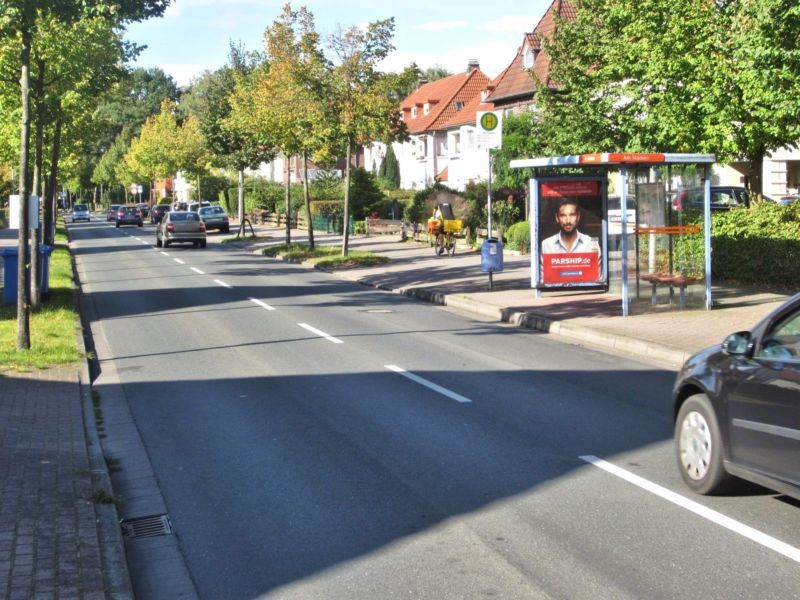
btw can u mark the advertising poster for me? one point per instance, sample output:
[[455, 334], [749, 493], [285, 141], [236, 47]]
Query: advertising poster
[[571, 215]]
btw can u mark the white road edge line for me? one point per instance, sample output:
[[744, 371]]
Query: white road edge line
[[428, 384], [321, 334], [261, 304], [692, 506], [179, 261], [223, 284], [198, 271]]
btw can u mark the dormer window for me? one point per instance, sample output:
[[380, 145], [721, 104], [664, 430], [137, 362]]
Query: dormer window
[[529, 57], [413, 112], [426, 109], [458, 105]]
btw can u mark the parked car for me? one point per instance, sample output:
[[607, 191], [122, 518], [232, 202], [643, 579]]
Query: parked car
[[157, 213], [80, 212], [111, 213], [181, 227], [129, 215], [215, 217], [788, 199], [722, 198], [737, 408]]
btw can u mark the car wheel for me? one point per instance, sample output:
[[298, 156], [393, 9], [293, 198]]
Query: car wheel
[[698, 445], [227, 229], [203, 244], [166, 243], [158, 242], [117, 225]]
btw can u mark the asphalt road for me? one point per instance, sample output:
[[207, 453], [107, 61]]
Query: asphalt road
[[313, 438]]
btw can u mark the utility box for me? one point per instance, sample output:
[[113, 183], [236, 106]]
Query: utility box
[[492, 256]]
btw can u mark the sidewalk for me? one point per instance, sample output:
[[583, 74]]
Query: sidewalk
[[56, 542]]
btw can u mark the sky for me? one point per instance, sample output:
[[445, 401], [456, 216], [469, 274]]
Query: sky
[[194, 35]]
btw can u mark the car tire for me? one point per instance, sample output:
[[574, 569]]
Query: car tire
[[699, 447], [226, 230], [203, 244], [140, 223], [158, 242], [117, 225]]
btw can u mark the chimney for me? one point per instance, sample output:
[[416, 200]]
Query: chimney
[[473, 65]]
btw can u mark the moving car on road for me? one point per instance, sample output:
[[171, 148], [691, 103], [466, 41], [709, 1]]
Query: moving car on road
[[181, 227], [157, 213], [215, 217], [80, 212], [129, 215], [737, 408]]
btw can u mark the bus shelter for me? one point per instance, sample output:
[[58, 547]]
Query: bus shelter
[[637, 221]]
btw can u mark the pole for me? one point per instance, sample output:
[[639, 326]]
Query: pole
[[489, 195]]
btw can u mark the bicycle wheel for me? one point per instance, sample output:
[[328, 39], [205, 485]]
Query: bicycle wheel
[[451, 244], [440, 244]]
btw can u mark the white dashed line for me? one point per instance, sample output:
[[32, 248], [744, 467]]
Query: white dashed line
[[321, 334], [744, 530], [428, 384], [164, 253], [198, 271], [261, 304], [223, 284], [179, 261]]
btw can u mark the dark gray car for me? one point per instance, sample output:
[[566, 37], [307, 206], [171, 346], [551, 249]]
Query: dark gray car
[[737, 408], [215, 217]]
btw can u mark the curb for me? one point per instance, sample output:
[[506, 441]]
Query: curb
[[116, 575]]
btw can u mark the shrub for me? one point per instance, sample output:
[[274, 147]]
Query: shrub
[[518, 237]]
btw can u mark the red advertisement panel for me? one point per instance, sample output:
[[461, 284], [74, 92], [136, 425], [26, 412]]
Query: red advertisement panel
[[557, 189], [571, 267]]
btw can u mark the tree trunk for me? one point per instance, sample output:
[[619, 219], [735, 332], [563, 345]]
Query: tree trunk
[[51, 193], [307, 200], [287, 182], [240, 202], [23, 292], [36, 263], [754, 181], [345, 228]]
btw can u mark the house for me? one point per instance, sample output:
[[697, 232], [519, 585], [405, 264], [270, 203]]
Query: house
[[440, 116]]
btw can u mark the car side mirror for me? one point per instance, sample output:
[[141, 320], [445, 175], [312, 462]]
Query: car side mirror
[[737, 344]]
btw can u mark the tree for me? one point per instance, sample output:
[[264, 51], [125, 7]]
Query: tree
[[359, 95], [389, 171], [19, 20], [674, 76], [155, 154]]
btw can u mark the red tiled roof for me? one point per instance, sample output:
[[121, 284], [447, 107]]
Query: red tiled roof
[[441, 97], [516, 80], [443, 175]]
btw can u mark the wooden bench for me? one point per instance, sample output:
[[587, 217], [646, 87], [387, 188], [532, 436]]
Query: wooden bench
[[665, 279]]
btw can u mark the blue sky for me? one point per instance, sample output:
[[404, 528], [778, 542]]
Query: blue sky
[[194, 35]]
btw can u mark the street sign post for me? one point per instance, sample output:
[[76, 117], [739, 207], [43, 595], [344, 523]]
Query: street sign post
[[489, 125]]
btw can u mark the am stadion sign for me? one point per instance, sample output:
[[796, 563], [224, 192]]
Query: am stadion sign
[[490, 129]]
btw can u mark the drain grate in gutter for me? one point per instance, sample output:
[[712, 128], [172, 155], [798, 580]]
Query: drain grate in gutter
[[140, 527]]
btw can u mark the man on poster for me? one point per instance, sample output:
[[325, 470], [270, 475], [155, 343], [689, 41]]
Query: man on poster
[[585, 266]]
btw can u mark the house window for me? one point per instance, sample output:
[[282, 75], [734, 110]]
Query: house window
[[455, 143], [458, 105], [413, 112], [426, 109], [529, 58]]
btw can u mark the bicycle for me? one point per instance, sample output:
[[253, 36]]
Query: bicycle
[[445, 242]]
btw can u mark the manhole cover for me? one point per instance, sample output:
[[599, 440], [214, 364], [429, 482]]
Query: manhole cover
[[146, 526]]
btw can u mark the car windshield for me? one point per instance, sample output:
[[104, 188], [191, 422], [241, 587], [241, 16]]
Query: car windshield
[[212, 210], [183, 216]]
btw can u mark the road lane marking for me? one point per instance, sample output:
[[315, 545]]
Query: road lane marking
[[223, 284], [428, 384], [198, 271], [164, 253], [715, 517], [179, 261], [261, 304], [321, 334]]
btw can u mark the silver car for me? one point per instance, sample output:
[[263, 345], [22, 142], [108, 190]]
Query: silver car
[[80, 212], [179, 227]]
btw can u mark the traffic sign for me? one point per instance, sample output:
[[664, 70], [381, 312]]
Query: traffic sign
[[490, 129]]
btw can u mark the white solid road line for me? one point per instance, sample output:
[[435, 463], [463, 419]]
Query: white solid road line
[[261, 304], [428, 384], [690, 505], [321, 334], [198, 271], [223, 284], [179, 261]]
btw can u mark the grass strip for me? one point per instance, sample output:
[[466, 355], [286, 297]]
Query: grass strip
[[326, 257]]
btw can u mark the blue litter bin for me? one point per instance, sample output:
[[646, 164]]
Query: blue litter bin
[[492, 256], [10, 275], [10, 258]]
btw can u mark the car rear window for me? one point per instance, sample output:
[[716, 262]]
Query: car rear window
[[212, 210], [184, 216], [80, 207]]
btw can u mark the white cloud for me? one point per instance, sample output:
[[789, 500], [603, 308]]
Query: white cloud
[[441, 25], [511, 24], [183, 73]]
